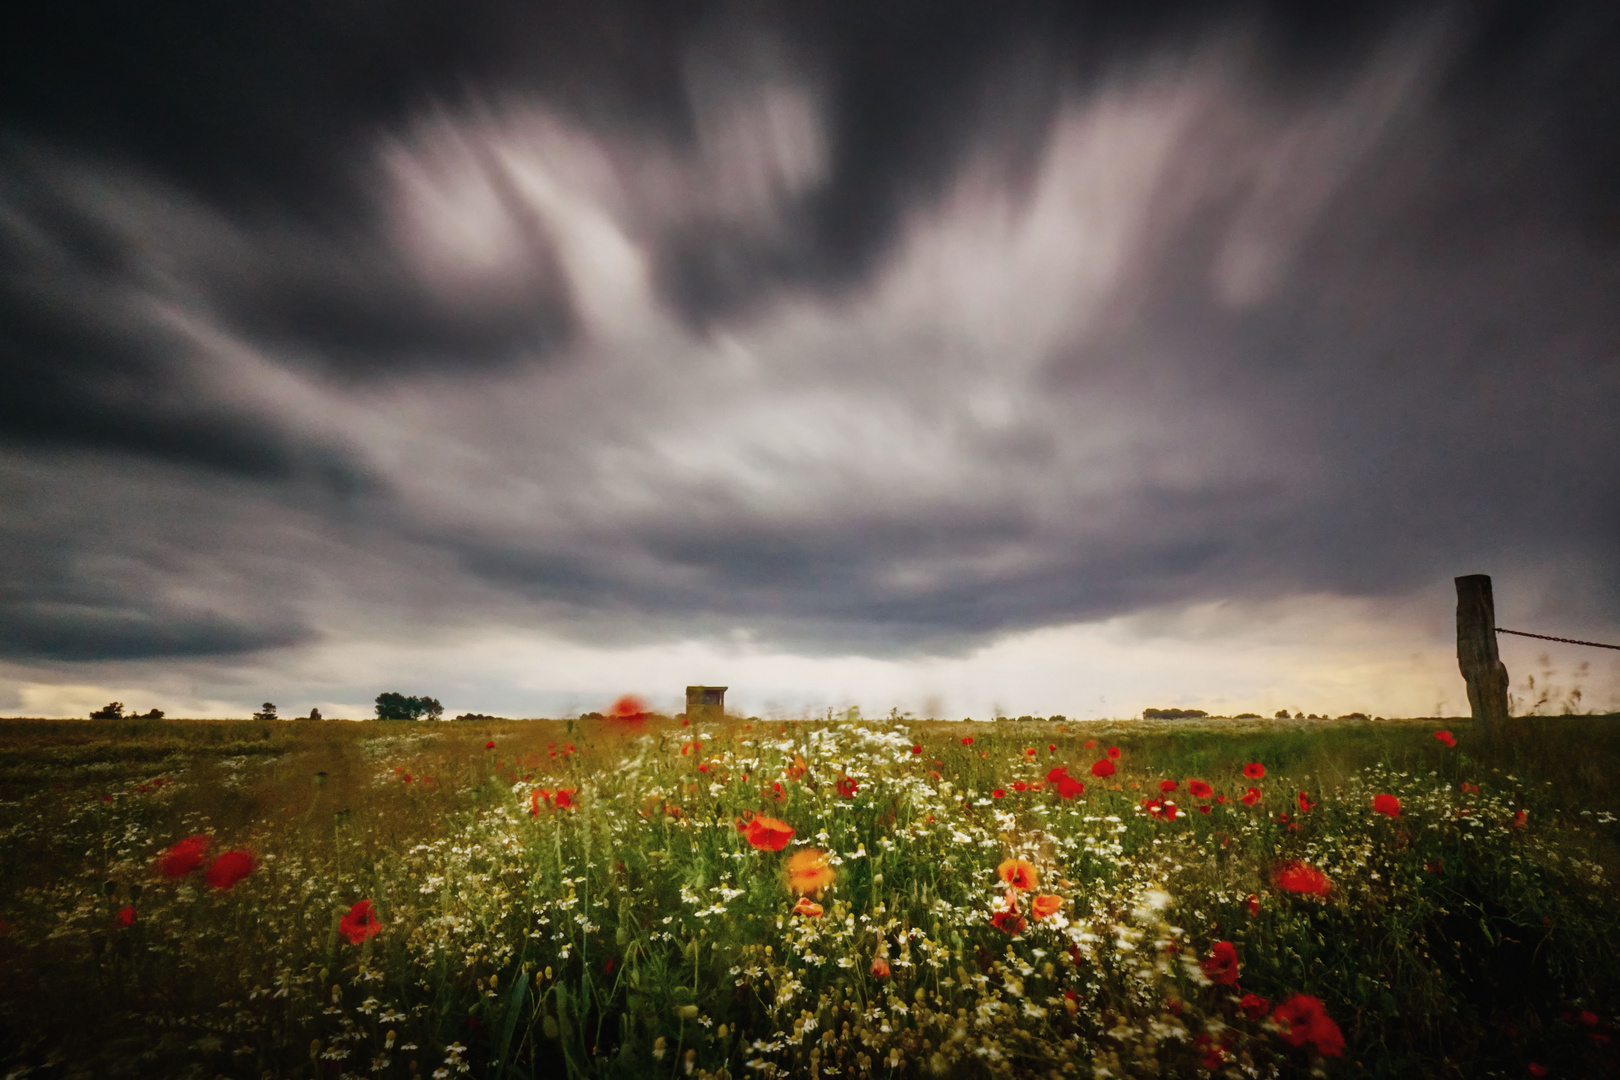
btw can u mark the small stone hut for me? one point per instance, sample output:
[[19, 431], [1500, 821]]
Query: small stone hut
[[705, 702]]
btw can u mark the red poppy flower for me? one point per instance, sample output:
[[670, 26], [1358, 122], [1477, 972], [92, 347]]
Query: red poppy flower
[[565, 798], [1029, 751], [916, 749], [629, 710], [127, 916], [1387, 805], [490, 745], [1045, 905], [360, 923], [999, 793], [1167, 786], [1203, 809], [1254, 771], [1518, 819], [1222, 965], [880, 968], [1305, 803], [183, 857], [534, 800], [967, 740], [1254, 1006], [768, 834], [1051, 748], [1008, 921], [406, 778], [847, 787], [1251, 796], [1067, 786], [1253, 904], [1536, 1068], [230, 868], [1299, 877], [1305, 1020], [1113, 751], [1446, 737], [1199, 789], [1220, 798], [1019, 785], [1102, 767]]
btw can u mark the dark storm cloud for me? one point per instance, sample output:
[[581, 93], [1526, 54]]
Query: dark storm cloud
[[89, 359], [1317, 299], [117, 563]]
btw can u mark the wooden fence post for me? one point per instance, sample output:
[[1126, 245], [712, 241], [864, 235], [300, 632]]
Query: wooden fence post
[[1484, 672]]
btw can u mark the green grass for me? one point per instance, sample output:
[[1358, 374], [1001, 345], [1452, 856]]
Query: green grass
[[637, 932]]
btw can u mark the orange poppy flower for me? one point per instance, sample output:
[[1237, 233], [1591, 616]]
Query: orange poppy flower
[[806, 906], [880, 968], [768, 834], [1044, 905], [808, 872], [1018, 873]]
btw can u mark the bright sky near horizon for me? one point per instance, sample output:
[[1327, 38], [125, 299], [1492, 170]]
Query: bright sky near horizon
[[961, 358]]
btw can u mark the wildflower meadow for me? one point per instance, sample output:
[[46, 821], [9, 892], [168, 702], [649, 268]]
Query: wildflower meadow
[[639, 896]]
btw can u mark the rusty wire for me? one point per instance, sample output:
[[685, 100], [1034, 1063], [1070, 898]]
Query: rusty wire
[[1548, 637]]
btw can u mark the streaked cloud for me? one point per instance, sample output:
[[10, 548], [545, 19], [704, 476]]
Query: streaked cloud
[[883, 357]]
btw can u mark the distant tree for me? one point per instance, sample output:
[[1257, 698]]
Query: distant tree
[[267, 713], [113, 710], [392, 706], [152, 714], [314, 714], [1172, 714], [1282, 714]]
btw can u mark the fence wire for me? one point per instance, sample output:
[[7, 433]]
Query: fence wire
[[1549, 637]]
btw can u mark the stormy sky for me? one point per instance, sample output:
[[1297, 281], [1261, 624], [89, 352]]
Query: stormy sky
[[944, 357]]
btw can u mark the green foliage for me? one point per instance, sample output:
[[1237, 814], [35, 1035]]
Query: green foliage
[[393, 706]]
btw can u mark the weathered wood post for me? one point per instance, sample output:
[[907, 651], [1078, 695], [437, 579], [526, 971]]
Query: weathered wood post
[[1486, 675]]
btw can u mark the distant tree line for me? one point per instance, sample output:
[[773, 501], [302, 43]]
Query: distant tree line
[[114, 710]]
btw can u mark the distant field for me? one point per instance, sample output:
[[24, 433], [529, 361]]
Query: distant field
[[879, 898]]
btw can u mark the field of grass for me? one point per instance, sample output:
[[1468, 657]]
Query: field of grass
[[591, 898]]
